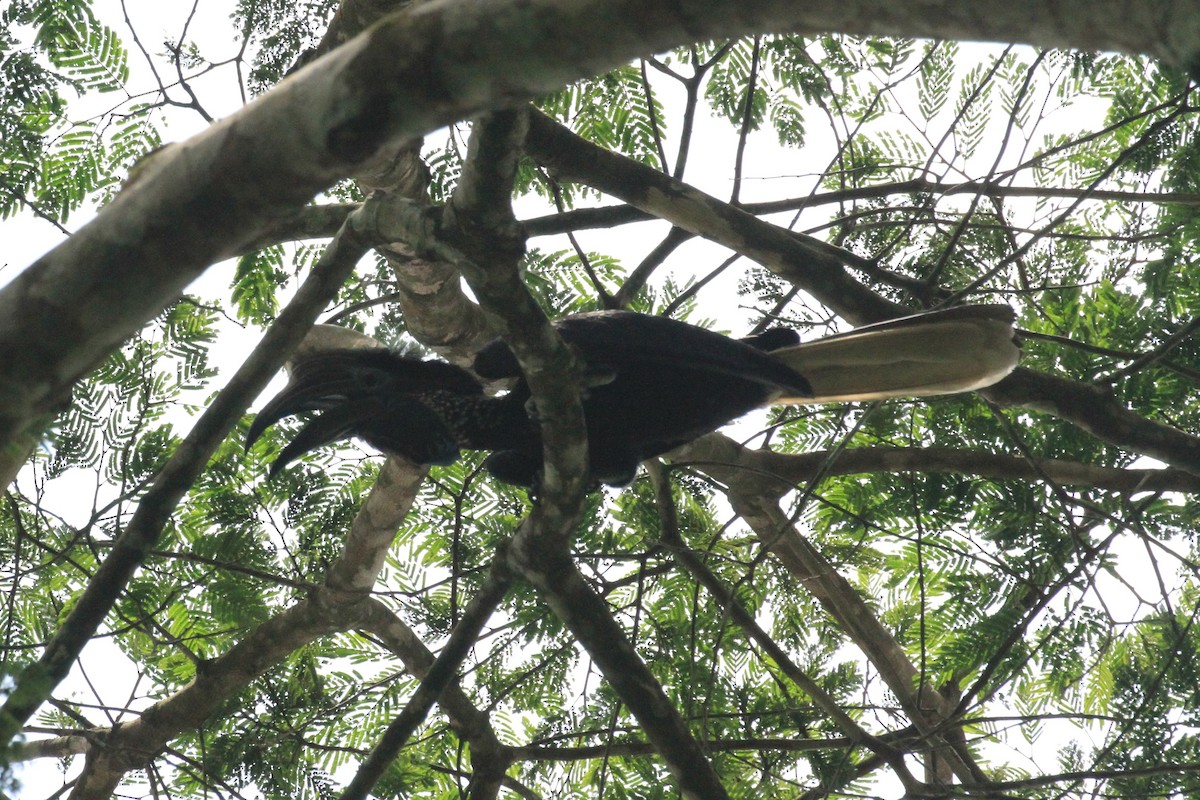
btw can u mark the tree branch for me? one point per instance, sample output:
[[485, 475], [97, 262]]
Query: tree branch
[[439, 675], [727, 600], [813, 264], [132, 744], [791, 470], [611, 216]]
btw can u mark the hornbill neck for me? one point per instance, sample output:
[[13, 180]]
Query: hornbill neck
[[479, 422]]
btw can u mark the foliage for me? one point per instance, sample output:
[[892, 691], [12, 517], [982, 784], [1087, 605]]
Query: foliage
[[1058, 615], [52, 163]]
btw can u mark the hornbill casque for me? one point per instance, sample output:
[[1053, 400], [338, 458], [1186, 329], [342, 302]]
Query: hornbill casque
[[651, 384]]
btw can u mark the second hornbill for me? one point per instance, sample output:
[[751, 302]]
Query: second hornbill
[[651, 384]]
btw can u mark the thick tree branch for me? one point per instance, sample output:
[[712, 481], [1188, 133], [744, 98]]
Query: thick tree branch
[[923, 704], [1098, 412], [753, 495], [374, 527], [131, 745], [313, 221], [479, 222], [478, 235], [54, 747], [811, 263]]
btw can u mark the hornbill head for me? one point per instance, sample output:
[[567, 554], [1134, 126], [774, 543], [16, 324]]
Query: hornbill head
[[388, 400]]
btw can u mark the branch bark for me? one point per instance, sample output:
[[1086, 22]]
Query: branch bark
[[131, 745], [612, 216], [810, 263], [339, 606]]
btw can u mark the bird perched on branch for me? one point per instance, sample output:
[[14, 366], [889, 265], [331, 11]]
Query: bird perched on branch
[[651, 384]]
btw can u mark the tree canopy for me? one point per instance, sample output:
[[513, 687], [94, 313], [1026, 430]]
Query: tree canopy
[[985, 595]]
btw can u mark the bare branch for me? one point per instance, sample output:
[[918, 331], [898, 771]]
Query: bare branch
[[791, 470]]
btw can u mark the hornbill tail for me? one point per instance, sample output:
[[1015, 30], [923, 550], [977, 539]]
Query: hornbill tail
[[940, 352]]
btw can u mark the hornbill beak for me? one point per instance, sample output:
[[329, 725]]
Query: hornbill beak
[[308, 392], [324, 385], [333, 425], [354, 399]]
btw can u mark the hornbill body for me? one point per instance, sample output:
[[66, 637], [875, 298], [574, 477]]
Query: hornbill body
[[651, 384]]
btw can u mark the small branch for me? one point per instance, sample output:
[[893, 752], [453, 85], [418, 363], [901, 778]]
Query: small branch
[[791, 470], [440, 675], [489, 758], [612, 749], [1157, 354], [590, 619], [747, 122], [653, 260], [727, 600], [612, 216]]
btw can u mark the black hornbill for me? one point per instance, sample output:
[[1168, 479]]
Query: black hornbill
[[652, 384]]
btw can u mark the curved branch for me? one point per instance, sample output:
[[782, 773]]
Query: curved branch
[[440, 675], [813, 264], [791, 470], [1098, 412], [611, 216], [130, 745]]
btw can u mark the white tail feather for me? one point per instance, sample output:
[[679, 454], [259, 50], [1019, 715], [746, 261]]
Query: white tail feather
[[943, 352]]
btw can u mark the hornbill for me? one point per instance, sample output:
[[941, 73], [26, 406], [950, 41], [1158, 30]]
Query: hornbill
[[651, 384]]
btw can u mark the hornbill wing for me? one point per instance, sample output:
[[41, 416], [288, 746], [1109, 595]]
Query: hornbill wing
[[940, 352], [610, 340]]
